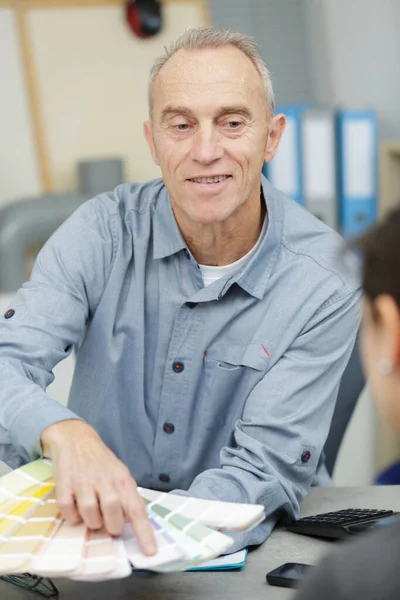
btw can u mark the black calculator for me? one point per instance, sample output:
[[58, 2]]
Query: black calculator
[[340, 524]]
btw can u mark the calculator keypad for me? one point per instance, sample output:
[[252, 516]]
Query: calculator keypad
[[347, 516], [340, 523]]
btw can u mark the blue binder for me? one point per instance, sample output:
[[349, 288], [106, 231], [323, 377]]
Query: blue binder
[[358, 172], [285, 169]]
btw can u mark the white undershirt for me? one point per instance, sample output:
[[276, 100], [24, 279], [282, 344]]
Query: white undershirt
[[211, 274]]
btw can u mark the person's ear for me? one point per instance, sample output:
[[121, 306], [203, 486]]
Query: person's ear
[[276, 128], [387, 317], [148, 134]]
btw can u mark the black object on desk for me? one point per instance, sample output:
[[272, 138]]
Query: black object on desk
[[32, 583], [340, 524], [288, 575]]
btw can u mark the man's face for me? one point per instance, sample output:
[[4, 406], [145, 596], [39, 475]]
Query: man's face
[[209, 132]]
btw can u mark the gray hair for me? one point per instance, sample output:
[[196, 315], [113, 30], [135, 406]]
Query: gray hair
[[213, 37]]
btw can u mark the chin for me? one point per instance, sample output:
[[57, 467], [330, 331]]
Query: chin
[[212, 212], [206, 218]]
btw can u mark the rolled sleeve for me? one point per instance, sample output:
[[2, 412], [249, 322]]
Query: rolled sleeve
[[281, 434]]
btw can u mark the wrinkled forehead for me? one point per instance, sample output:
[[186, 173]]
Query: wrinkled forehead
[[209, 76]]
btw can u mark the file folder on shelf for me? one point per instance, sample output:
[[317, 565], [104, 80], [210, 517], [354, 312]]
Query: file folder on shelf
[[319, 165], [357, 145], [284, 171]]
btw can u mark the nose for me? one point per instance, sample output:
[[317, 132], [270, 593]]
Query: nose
[[206, 146]]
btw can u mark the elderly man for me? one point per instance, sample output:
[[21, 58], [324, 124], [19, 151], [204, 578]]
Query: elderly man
[[212, 318]]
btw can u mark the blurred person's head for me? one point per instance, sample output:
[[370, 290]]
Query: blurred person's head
[[380, 331], [211, 123]]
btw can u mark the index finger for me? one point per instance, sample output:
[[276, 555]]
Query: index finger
[[135, 512]]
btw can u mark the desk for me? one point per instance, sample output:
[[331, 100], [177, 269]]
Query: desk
[[249, 583]]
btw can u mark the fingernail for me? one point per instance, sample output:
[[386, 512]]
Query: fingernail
[[151, 548]]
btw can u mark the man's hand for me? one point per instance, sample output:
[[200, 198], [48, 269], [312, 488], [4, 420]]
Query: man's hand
[[92, 484]]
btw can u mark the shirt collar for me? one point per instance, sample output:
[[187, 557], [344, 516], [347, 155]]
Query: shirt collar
[[167, 238], [255, 275]]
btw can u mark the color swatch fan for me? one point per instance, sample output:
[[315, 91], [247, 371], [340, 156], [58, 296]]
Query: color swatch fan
[[35, 539]]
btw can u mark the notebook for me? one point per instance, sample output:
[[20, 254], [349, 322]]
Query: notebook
[[237, 560]]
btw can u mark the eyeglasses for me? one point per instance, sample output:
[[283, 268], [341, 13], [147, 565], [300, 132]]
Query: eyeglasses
[[41, 585]]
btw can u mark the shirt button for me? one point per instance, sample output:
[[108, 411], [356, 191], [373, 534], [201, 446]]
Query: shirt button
[[186, 253], [178, 367], [164, 477], [305, 457], [10, 313], [168, 428], [191, 304]]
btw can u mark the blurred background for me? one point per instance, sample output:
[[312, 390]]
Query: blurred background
[[73, 100]]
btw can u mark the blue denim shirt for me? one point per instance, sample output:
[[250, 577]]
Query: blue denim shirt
[[226, 390]]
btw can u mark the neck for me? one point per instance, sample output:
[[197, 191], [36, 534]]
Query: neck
[[219, 244]]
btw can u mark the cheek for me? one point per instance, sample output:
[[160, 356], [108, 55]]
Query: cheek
[[250, 153], [367, 347], [384, 392], [176, 157]]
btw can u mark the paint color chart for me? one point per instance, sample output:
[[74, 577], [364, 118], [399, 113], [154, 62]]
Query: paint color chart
[[35, 539], [218, 515]]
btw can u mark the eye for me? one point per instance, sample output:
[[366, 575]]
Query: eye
[[181, 126], [232, 125]]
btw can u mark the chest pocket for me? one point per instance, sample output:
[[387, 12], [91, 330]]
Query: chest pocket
[[253, 356], [231, 372]]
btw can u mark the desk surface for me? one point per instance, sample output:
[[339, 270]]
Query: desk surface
[[281, 547]]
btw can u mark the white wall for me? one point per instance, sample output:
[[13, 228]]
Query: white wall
[[356, 461], [331, 52], [353, 54], [19, 175], [279, 28], [90, 74]]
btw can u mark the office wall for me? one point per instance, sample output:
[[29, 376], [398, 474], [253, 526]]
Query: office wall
[[83, 85], [93, 92], [331, 52], [19, 174], [353, 53], [280, 30]]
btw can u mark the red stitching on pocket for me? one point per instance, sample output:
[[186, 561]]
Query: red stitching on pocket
[[265, 350]]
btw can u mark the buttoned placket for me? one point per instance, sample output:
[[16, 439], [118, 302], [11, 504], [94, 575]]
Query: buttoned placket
[[177, 379], [178, 376]]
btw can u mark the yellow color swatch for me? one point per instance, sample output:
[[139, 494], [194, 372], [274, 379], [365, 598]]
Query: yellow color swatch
[[36, 529], [38, 491], [46, 511], [8, 506], [7, 525], [23, 509], [38, 469]]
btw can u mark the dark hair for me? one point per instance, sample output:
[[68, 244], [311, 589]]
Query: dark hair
[[380, 250]]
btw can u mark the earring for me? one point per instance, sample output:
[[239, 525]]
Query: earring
[[385, 366]]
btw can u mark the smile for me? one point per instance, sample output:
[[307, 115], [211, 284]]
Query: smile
[[215, 179]]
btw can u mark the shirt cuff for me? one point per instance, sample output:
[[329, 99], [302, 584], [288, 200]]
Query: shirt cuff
[[28, 430]]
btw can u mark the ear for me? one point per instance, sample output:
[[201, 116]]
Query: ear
[[276, 128], [388, 318], [148, 134]]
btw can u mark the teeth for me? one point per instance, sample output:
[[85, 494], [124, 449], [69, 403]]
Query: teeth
[[216, 179]]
